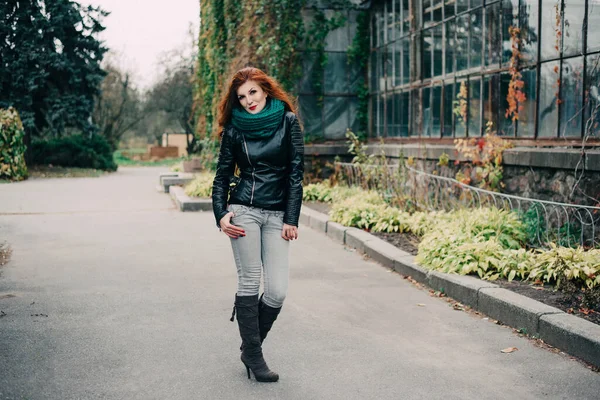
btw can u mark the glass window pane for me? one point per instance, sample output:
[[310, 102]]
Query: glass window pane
[[427, 13], [405, 16], [378, 116], [528, 22], [491, 98], [493, 37], [335, 117], [310, 112], [438, 52], [450, 32], [436, 111], [353, 113], [397, 64], [389, 113], [374, 72], [460, 125], [592, 119], [574, 14], [476, 3], [406, 60], [526, 126], [462, 43], [427, 52], [474, 108], [404, 114], [394, 126], [426, 99], [550, 35], [548, 118], [448, 109], [416, 116], [336, 73], [398, 18], [380, 71], [476, 30], [571, 97], [510, 11], [438, 14], [389, 21], [449, 8], [462, 5], [389, 67], [505, 124], [593, 43], [380, 29]]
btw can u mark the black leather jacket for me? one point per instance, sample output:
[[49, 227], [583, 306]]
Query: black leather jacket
[[272, 170]]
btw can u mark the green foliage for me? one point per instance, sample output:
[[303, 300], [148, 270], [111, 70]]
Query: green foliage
[[359, 53], [51, 63], [358, 149], [74, 151], [201, 186], [12, 148], [534, 223], [315, 42], [124, 160], [326, 193], [563, 263]]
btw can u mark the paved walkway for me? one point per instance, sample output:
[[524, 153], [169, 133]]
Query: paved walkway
[[113, 294]]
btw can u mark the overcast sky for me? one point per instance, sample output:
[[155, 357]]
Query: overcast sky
[[141, 30]]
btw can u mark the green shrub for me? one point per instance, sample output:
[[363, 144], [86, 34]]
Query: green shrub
[[12, 147], [577, 265], [201, 186], [392, 219], [491, 222], [74, 151], [360, 211], [324, 192]]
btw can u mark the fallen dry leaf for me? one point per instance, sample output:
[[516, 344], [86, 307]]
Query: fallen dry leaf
[[421, 305], [509, 350], [458, 307]]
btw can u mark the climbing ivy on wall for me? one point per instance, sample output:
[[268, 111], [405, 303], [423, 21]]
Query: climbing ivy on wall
[[359, 54], [267, 34]]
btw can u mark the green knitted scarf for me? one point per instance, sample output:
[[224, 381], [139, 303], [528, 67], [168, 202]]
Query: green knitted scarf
[[261, 125]]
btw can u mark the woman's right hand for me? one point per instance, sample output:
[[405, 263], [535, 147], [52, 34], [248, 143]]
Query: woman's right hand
[[229, 229]]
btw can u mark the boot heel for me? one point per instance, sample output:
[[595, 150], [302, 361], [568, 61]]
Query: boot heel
[[248, 371]]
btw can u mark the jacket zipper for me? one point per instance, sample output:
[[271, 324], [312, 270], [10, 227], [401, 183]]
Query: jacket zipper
[[249, 162]]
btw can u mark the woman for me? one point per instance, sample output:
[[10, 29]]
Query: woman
[[262, 136]]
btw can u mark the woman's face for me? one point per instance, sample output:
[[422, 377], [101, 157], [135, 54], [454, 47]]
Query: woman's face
[[251, 96]]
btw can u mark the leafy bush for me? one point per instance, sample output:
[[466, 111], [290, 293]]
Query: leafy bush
[[492, 222], [392, 219], [201, 186], [357, 213], [577, 265], [326, 193], [12, 148], [74, 151]]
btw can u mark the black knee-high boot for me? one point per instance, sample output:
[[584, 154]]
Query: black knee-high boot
[[252, 357], [266, 317]]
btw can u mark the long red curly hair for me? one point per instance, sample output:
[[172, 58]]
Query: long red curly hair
[[268, 84]]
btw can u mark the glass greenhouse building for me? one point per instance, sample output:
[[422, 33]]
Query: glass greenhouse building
[[446, 72]]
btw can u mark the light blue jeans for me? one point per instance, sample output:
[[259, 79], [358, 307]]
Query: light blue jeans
[[261, 250]]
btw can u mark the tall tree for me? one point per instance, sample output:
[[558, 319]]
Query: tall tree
[[50, 63], [118, 107]]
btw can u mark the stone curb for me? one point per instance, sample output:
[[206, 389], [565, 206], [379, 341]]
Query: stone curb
[[168, 179], [574, 335], [186, 203]]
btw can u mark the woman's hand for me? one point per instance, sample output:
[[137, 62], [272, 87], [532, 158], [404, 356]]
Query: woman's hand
[[289, 232], [229, 229]]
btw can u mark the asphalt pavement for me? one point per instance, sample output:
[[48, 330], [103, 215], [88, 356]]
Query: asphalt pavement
[[111, 293]]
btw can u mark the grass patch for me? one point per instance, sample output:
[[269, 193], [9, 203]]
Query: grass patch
[[43, 171], [125, 161]]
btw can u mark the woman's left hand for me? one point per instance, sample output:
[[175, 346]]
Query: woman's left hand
[[289, 232]]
